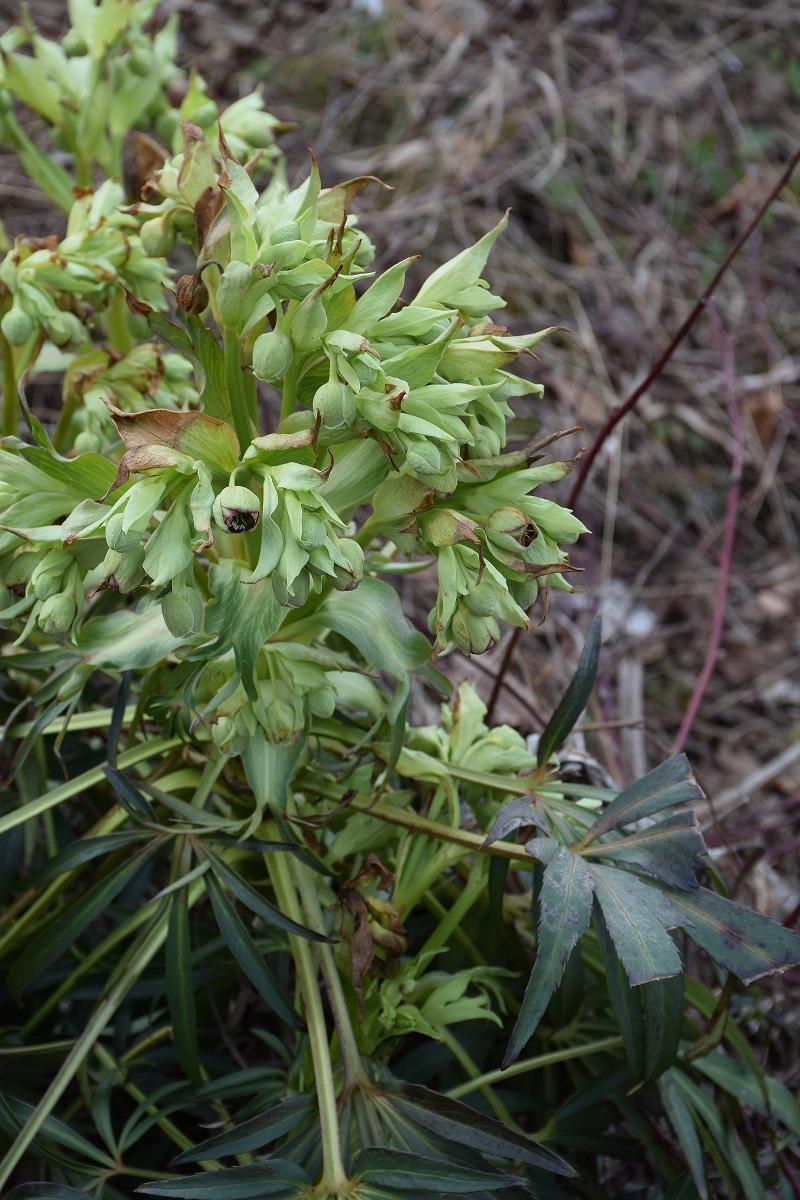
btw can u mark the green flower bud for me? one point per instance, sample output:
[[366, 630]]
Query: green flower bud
[[182, 612], [111, 561], [66, 330], [140, 61], [73, 44], [272, 355], [118, 538], [473, 634], [349, 575], [336, 405], [426, 458], [88, 441], [204, 115], [231, 291], [17, 326], [309, 324], [281, 719], [57, 613], [237, 509], [314, 530], [158, 237], [128, 574], [46, 586]]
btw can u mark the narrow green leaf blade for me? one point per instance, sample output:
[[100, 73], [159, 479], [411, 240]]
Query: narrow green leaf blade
[[256, 903], [246, 953], [254, 1134], [746, 943], [180, 985], [398, 1168], [277, 1179], [58, 937], [670, 784], [637, 919], [681, 1120], [455, 1121], [84, 850], [575, 698], [565, 906], [670, 850]]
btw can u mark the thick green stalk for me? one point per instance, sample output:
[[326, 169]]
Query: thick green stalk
[[131, 968], [289, 396], [119, 334], [351, 1057], [334, 1174], [9, 421], [237, 391]]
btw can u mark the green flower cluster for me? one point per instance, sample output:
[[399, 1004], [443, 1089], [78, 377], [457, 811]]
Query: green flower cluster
[[52, 283]]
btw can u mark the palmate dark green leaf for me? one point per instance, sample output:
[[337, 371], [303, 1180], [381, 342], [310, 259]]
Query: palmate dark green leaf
[[671, 850], [254, 1134], [277, 1179], [746, 943], [452, 1120], [575, 698], [180, 985], [637, 920], [248, 956], [58, 937], [399, 1169], [255, 902], [670, 784]]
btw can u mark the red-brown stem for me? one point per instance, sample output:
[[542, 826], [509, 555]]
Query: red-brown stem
[[616, 416], [726, 554]]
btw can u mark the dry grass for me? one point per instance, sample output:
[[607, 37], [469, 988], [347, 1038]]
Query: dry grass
[[632, 142]]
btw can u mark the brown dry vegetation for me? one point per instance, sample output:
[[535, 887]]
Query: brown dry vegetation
[[633, 142]]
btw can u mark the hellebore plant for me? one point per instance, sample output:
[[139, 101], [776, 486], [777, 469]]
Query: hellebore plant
[[235, 834]]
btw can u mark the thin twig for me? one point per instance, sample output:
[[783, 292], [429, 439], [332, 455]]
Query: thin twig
[[726, 554], [616, 416]]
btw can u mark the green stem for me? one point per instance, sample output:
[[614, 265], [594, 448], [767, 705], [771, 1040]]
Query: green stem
[[289, 397], [351, 1057], [452, 920], [237, 391], [334, 1174], [117, 327], [131, 968], [445, 833], [536, 1064], [9, 422], [465, 1062]]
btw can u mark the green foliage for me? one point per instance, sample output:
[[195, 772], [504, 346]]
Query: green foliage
[[215, 817]]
